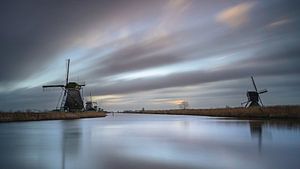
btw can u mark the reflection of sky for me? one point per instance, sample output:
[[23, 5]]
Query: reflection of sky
[[150, 141], [195, 141], [192, 141]]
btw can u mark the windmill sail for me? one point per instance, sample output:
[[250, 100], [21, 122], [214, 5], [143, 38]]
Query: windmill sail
[[254, 83], [68, 67]]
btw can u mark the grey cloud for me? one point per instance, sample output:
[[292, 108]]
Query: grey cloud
[[29, 98], [135, 57], [33, 33], [203, 41], [240, 69]]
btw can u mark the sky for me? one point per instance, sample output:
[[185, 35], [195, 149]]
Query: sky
[[135, 54]]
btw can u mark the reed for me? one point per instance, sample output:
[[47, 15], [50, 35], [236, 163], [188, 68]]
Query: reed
[[11, 117], [255, 112]]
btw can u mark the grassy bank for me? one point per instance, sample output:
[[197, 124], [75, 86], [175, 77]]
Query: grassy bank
[[258, 112], [10, 117]]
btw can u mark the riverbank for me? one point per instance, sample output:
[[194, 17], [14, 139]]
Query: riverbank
[[12, 117], [284, 112]]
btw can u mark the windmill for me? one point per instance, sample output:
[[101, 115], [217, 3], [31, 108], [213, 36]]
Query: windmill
[[90, 105], [253, 96], [71, 100]]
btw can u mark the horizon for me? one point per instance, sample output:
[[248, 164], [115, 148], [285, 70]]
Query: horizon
[[153, 55]]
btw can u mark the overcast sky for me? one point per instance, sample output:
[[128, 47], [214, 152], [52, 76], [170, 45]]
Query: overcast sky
[[152, 54]]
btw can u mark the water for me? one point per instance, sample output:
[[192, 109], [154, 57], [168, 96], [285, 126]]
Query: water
[[131, 141]]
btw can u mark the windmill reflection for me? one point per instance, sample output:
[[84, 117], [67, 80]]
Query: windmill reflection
[[257, 126], [71, 143], [256, 131]]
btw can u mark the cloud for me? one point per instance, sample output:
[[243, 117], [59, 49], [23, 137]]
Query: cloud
[[235, 16], [279, 23], [143, 55], [29, 98], [134, 57], [262, 64], [35, 34]]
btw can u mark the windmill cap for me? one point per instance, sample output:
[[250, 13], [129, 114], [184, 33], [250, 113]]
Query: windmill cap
[[73, 85]]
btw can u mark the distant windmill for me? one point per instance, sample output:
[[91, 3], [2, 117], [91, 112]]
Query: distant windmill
[[90, 105], [72, 100], [253, 96]]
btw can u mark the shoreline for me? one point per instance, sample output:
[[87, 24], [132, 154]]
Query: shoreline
[[18, 117], [272, 112]]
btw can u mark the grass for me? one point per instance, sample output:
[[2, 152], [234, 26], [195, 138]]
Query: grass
[[255, 112], [272, 112], [10, 117]]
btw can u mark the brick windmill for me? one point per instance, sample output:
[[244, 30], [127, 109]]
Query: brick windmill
[[253, 96], [71, 98]]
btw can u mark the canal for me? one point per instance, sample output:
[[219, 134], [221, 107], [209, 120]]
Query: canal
[[132, 141]]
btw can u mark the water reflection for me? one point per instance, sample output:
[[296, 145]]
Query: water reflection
[[71, 143], [256, 131], [256, 128], [150, 141]]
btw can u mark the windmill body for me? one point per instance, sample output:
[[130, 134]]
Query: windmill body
[[252, 99], [71, 100], [253, 96]]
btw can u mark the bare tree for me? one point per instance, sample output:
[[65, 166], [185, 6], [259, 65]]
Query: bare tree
[[183, 105]]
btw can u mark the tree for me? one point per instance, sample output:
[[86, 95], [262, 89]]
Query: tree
[[183, 105]]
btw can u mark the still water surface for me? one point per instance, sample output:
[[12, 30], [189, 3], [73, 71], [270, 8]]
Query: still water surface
[[131, 141]]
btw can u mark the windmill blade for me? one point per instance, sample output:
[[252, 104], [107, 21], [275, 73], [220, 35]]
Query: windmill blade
[[246, 102], [263, 91], [260, 101], [68, 68], [246, 105], [59, 100], [81, 84], [91, 97], [46, 86], [254, 83]]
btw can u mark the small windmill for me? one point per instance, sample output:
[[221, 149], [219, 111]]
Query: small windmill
[[90, 105], [253, 96], [71, 100]]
